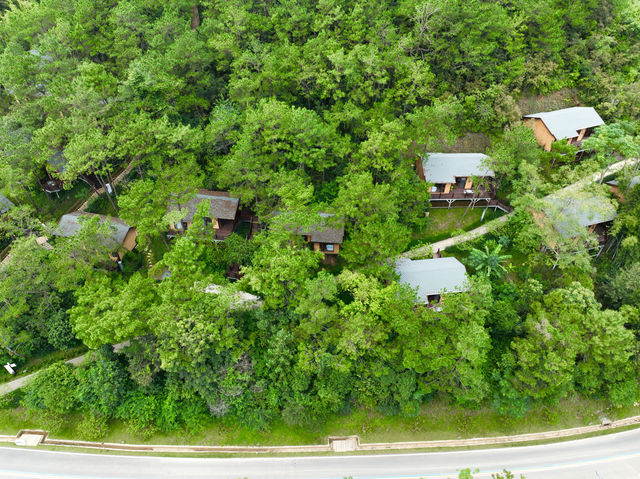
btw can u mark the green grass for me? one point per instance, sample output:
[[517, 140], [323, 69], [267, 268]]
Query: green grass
[[243, 228], [444, 223], [52, 206], [42, 361], [158, 248], [438, 420], [101, 205]]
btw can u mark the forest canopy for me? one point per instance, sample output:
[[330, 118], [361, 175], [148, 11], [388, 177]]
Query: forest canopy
[[309, 112]]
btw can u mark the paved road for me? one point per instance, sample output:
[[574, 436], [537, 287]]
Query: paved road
[[615, 456]]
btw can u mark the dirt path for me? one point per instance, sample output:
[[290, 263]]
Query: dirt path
[[11, 386], [476, 233]]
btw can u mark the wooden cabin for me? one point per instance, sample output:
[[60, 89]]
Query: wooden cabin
[[326, 237], [123, 237], [432, 278], [570, 215], [452, 176], [223, 213], [571, 124]]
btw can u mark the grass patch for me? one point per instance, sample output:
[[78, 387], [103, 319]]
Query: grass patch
[[38, 362], [158, 248], [243, 228], [101, 205], [443, 223], [51, 206], [438, 420]]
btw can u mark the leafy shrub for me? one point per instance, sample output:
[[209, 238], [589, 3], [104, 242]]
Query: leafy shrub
[[54, 390], [139, 411], [92, 427]]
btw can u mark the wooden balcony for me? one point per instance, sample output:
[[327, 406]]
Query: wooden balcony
[[462, 194]]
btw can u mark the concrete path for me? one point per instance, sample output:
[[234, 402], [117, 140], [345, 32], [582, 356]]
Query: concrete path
[[11, 386], [475, 233], [454, 240], [613, 456]]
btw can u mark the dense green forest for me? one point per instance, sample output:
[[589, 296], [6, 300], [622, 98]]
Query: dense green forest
[[299, 107]]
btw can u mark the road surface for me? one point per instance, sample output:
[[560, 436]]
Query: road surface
[[614, 456]]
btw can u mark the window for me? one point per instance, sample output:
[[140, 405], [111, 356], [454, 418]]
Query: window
[[179, 225], [328, 247]]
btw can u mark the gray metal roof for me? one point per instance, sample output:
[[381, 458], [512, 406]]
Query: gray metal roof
[[433, 276], [580, 210], [5, 204], [444, 167], [568, 122], [58, 161], [222, 206], [70, 224]]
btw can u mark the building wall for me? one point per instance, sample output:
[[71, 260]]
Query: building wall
[[130, 239], [420, 169], [336, 248], [541, 132]]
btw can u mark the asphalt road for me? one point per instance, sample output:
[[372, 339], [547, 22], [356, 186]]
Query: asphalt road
[[614, 456]]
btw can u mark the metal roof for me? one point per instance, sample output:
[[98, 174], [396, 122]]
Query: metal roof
[[581, 209], [433, 276], [58, 161], [568, 122], [70, 224], [222, 206], [444, 167], [5, 204]]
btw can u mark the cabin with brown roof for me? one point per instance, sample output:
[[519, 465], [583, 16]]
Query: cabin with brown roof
[[571, 124], [222, 216], [326, 237]]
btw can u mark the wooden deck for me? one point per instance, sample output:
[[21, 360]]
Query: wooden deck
[[462, 194], [225, 230]]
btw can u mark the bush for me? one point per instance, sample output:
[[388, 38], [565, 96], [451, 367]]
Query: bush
[[53, 390], [139, 411], [102, 386], [92, 427]]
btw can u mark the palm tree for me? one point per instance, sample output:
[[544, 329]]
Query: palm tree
[[488, 262]]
